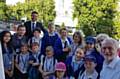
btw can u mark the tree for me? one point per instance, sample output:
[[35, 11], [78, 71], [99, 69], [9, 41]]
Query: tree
[[45, 8], [96, 16]]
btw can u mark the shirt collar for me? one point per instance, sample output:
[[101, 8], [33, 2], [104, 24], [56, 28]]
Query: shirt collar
[[113, 63], [33, 22]]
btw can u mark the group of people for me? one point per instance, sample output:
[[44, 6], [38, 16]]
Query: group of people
[[55, 55]]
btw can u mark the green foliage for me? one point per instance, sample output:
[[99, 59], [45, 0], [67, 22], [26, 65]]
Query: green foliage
[[96, 16], [45, 8]]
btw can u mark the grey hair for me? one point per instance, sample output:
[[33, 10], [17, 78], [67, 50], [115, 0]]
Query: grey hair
[[112, 42], [101, 36]]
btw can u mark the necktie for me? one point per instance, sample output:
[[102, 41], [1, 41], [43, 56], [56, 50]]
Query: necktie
[[33, 26], [65, 44]]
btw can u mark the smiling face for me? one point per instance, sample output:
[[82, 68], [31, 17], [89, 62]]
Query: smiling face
[[79, 54], [6, 37], [21, 31], [109, 49]]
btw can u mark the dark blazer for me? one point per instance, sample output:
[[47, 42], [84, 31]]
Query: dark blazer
[[29, 30]]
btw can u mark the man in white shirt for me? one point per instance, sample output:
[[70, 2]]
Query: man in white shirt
[[111, 65]]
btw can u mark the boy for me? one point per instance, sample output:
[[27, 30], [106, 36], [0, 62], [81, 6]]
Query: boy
[[21, 62], [19, 38], [90, 72], [34, 61]]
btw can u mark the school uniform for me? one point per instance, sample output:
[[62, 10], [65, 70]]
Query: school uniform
[[51, 38], [22, 61], [43, 43], [48, 63], [74, 48], [74, 67], [33, 71], [18, 41], [99, 59], [8, 59], [59, 46], [84, 75]]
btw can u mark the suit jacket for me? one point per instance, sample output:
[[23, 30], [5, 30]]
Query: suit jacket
[[29, 30]]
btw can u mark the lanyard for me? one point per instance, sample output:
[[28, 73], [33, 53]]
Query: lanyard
[[24, 61], [36, 57], [48, 66]]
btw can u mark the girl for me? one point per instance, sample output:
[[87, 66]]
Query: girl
[[75, 63], [47, 63], [8, 56], [78, 41], [60, 69]]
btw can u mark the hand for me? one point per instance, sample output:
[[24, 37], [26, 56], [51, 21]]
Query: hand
[[35, 64], [66, 50], [44, 74], [10, 73]]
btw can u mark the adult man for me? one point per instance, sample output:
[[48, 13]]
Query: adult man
[[111, 65], [31, 25]]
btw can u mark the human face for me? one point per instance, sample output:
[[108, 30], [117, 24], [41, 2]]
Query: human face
[[24, 49], [108, 51], [34, 17], [49, 53], [60, 74], [6, 37], [89, 65], [89, 45], [36, 34], [51, 28], [21, 31], [79, 54], [63, 33], [76, 38], [35, 48]]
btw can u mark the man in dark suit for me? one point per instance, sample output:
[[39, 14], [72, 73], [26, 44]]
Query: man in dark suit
[[33, 24]]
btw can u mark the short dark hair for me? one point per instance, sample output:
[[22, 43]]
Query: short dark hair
[[20, 26], [34, 12], [37, 29], [63, 29]]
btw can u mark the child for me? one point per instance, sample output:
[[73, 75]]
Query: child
[[90, 72], [8, 55], [91, 49], [21, 62], [47, 63], [62, 44], [60, 69], [52, 36], [78, 41], [41, 41], [19, 38], [34, 61], [75, 63]]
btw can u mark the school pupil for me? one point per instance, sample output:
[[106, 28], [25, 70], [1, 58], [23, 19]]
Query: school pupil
[[62, 45], [21, 62], [33, 72], [8, 55], [47, 63], [60, 71], [75, 63], [90, 72], [19, 38], [40, 40]]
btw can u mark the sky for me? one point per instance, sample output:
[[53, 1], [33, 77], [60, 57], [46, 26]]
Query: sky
[[13, 2]]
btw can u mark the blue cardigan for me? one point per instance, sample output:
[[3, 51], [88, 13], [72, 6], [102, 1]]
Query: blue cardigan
[[58, 46]]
